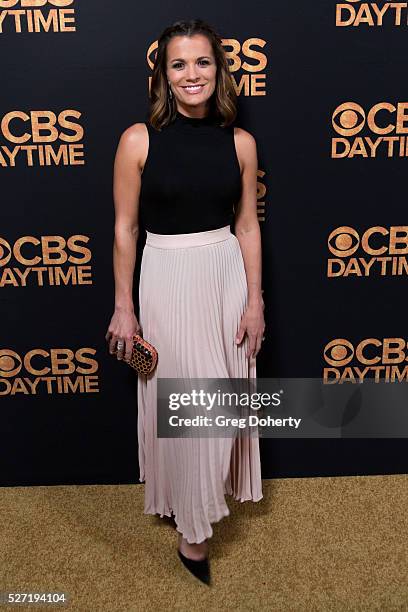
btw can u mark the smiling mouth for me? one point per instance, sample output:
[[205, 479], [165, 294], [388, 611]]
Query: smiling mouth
[[193, 88]]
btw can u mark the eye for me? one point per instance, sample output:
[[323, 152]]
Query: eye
[[205, 62]]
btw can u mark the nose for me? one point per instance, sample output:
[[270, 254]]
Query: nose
[[191, 74]]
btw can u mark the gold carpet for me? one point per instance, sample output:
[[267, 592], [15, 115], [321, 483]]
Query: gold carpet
[[312, 544]]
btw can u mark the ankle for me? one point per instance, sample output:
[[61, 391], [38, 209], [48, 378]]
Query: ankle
[[193, 551]]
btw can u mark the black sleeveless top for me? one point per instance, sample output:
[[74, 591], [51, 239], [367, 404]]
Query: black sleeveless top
[[191, 179]]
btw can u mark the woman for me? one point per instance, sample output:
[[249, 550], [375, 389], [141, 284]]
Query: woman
[[200, 291]]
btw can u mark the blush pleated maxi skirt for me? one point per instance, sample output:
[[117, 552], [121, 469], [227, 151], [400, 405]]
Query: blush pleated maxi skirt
[[192, 295]]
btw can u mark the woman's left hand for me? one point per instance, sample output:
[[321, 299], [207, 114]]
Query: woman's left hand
[[253, 323]]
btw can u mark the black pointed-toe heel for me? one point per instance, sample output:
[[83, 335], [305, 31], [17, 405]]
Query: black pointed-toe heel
[[200, 569]]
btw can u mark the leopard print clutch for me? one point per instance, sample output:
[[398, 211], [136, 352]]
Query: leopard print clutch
[[144, 356]]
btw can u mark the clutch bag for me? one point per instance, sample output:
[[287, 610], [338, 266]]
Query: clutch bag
[[144, 356]]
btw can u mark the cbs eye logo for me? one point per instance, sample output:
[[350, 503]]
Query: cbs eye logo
[[343, 241], [10, 363], [338, 352], [348, 119], [382, 118], [5, 252], [58, 361], [52, 250], [42, 126]]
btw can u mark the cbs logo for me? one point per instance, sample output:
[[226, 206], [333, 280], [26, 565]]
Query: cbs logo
[[53, 250], [34, 3], [345, 241], [340, 352], [49, 129], [39, 362], [350, 118]]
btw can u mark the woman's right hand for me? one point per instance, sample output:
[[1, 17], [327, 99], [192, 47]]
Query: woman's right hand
[[122, 327]]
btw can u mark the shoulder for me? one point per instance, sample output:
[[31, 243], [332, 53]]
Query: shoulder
[[245, 147], [244, 136], [134, 134], [134, 142]]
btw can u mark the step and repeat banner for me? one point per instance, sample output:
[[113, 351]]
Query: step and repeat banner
[[321, 87]]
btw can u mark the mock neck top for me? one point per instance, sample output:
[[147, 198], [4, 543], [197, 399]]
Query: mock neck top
[[195, 121], [191, 179]]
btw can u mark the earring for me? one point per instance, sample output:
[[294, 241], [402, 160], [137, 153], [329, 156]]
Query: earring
[[170, 92]]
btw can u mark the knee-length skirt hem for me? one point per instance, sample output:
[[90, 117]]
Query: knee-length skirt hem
[[192, 295]]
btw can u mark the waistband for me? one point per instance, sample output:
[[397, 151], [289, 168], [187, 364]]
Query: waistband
[[181, 241]]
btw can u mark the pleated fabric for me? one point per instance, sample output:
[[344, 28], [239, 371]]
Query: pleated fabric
[[192, 295]]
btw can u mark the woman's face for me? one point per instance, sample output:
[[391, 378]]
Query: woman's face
[[190, 61]]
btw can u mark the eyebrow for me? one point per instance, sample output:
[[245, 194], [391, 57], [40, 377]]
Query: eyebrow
[[180, 59]]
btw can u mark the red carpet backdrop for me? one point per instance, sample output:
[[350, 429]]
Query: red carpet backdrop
[[321, 87]]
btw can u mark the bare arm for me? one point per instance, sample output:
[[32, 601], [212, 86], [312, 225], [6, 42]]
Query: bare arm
[[248, 233], [126, 191]]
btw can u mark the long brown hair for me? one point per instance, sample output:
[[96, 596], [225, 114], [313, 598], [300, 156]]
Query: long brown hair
[[223, 102]]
